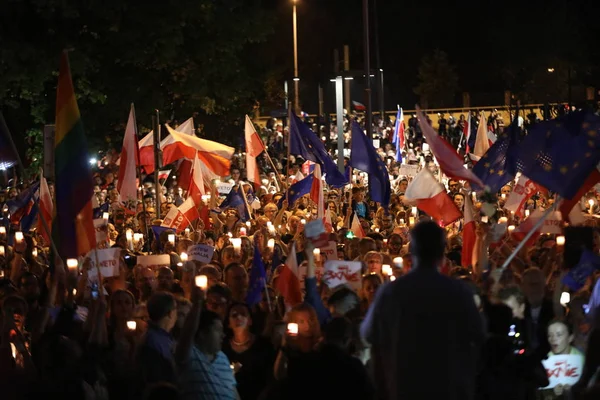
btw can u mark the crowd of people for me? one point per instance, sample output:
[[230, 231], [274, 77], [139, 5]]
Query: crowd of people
[[419, 324]]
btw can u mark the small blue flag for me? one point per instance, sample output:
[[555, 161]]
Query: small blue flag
[[578, 275], [296, 191], [100, 210], [257, 279], [235, 200]]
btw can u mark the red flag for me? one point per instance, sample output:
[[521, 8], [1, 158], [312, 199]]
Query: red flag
[[316, 191], [127, 184], [254, 146], [568, 204], [468, 233], [450, 162], [288, 283], [46, 208], [431, 197], [180, 217]]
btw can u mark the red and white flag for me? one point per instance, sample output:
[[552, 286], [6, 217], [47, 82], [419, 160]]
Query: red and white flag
[[127, 184], [316, 192], [164, 174], [468, 233], [46, 209], [523, 190], [196, 189], [254, 146], [179, 218], [482, 142], [400, 130], [467, 133], [288, 282], [356, 227], [552, 224], [567, 205], [146, 145], [449, 160], [431, 197], [328, 221]]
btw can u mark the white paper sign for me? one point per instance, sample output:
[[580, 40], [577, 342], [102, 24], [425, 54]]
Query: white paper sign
[[302, 270], [107, 260], [339, 272], [154, 261], [314, 228], [200, 252], [409, 170], [224, 187], [329, 252], [563, 369], [101, 228]]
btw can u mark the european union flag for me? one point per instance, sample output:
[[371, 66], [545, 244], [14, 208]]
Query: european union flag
[[498, 165], [157, 231], [560, 154], [576, 277], [365, 158], [235, 200], [257, 279], [304, 142], [297, 190], [23, 208], [98, 211]]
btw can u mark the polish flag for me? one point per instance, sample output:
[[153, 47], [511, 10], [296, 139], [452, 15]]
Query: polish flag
[[46, 208], [179, 218], [568, 204], [523, 190], [254, 146], [316, 192], [298, 177], [552, 224], [196, 188], [468, 233], [146, 145], [431, 197], [400, 138], [288, 282], [328, 221], [126, 184], [467, 133], [356, 227], [164, 174], [449, 160], [216, 156]]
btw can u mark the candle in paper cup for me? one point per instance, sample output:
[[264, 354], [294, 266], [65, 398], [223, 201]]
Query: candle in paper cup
[[248, 224], [317, 254], [242, 231], [527, 213], [236, 243], [2, 230], [411, 220], [187, 232], [183, 257], [511, 228], [591, 202], [34, 252], [503, 196], [137, 237], [292, 329], [560, 240], [398, 262], [129, 235], [131, 325], [414, 211], [386, 269], [303, 221], [392, 278], [171, 238], [401, 221], [2, 251], [19, 236], [74, 292], [384, 241], [202, 281], [565, 298], [376, 230], [502, 220], [105, 216], [271, 244], [72, 264]]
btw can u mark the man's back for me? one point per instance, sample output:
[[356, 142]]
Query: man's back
[[425, 331]]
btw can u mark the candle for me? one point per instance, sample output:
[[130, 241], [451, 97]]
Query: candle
[[511, 228], [34, 252], [560, 240], [271, 230], [105, 216], [398, 262], [248, 224], [271, 244], [171, 238], [474, 196], [2, 230], [303, 221], [565, 298], [317, 254], [414, 211], [411, 220], [236, 243], [137, 237], [503, 195], [183, 257], [131, 325], [74, 291], [202, 281], [72, 264], [187, 232], [527, 213], [269, 223], [392, 278], [385, 241], [230, 235], [292, 329], [502, 220], [205, 198], [19, 236], [401, 221], [386, 269], [376, 230], [2, 251], [242, 231]]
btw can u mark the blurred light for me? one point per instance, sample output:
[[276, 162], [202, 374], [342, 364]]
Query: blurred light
[[296, 79], [93, 161], [347, 78], [551, 70]]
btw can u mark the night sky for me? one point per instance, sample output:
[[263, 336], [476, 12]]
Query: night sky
[[481, 39]]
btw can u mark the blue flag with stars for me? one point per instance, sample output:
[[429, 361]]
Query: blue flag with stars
[[560, 154], [578, 275], [498, 166], [304, 142], [364, 157], [296, 191], [256, 280]]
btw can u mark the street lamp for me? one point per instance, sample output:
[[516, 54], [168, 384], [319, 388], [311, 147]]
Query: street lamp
[[296, 78]]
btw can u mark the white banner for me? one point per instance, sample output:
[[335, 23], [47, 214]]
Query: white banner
[[101, 228], [339, 272], [107, 260], [200, 252], [154, 261], [409, 170]]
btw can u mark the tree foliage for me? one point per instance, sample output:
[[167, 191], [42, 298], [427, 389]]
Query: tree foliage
[[438, 81], [181, 57]]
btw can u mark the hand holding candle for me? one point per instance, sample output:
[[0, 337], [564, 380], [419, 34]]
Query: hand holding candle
[[292, 329], [72, 264], [237, 245], [202, 282], [131, 325], [18, 236]]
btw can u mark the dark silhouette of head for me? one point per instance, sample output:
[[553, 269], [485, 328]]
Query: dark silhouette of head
[[427, 244]]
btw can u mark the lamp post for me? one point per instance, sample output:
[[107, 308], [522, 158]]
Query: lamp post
[[296, 78]]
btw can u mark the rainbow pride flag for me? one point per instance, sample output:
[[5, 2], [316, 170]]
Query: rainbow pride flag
[[72, 227]]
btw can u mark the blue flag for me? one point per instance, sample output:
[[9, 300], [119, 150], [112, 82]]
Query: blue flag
[[157, 230], [257, 279], [364, 157], [396, 138], [98, 211], [304, 142], [578, 275], [498, 166], [560, 154], [235, 200], [23, 208], [297, 190]]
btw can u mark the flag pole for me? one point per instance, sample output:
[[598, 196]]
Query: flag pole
[[535, 228], [156, 144], [139, 168], [246, 200], [287, 164]]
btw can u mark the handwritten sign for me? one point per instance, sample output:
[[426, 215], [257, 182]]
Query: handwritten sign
[[342, 272], [200, 252], [107, 260], [563, 369], [329, 252], [409, 170], [224, 187], [154, 261], [101, 228]]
